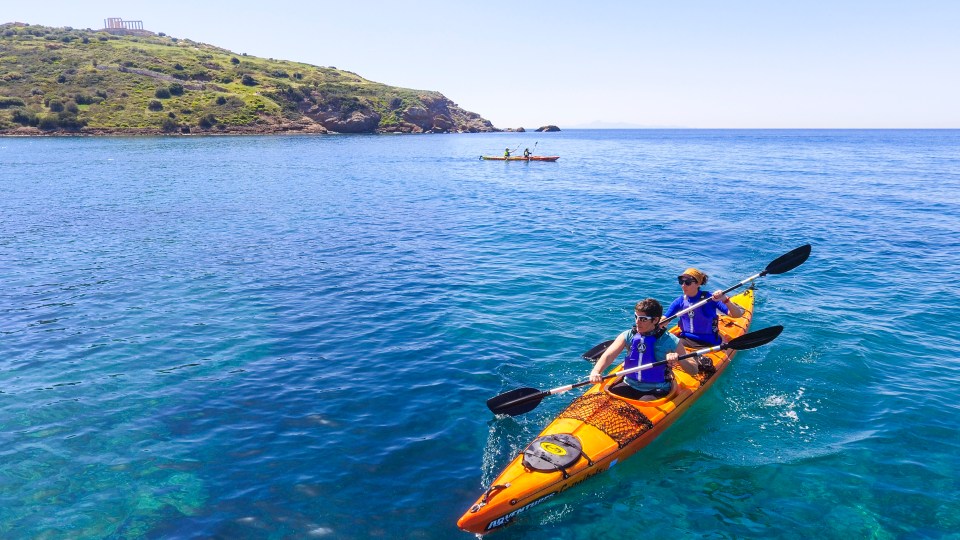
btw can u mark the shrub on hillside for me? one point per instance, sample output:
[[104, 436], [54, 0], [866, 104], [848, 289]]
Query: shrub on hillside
[[25, 118], [169, 125], [162, 93], [69, 121], [55, 105], [48, 122], [83, 99], [221, 100], [176, 89], [207, 121], [155, 105], [7, 102], [248, 80]]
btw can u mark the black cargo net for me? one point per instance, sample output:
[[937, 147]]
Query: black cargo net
[[618, 420]]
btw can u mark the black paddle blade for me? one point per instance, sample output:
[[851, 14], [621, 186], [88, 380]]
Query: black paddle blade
[[754, 339], [516, 401], [594, 353], [788, 261]]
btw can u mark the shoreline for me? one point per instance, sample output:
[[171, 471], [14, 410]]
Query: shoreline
[[129, 132]]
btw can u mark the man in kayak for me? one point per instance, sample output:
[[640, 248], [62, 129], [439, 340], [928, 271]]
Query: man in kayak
[[506, 152], [700, 327], [645, 347], [526, 153]]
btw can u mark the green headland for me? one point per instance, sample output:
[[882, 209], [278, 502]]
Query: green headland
[[70, 81]]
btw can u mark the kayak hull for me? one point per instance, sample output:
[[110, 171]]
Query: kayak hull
[[608, 428], [520, 158]]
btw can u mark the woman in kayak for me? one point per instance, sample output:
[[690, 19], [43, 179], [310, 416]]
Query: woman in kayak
[[506, 152], [645, 347], [699, 328]]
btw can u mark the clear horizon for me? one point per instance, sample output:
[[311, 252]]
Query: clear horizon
[[822, 65]]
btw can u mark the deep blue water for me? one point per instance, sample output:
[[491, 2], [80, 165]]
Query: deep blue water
[[294, 337]]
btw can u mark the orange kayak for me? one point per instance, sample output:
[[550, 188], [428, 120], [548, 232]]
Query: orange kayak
[[594, 433], [521, 158]]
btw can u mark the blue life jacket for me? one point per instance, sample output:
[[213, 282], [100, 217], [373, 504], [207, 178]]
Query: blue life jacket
[[701, 324], [642, 352]]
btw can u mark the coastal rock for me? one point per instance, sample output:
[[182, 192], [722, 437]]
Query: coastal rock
[[355, 122], [419, 117], [440, 115], [548, 128]]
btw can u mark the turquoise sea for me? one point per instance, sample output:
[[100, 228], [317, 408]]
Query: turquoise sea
[[294, 337]]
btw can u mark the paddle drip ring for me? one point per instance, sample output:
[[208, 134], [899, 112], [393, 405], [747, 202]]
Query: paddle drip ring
[[552, 453]]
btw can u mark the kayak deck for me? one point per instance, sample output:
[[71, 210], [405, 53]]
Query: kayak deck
[[520, 158], [607, 428]]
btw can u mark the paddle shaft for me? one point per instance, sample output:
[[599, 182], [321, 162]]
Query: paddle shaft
[[566, 388], [527, 401], [710, 298], [603, 346], [784, 263]]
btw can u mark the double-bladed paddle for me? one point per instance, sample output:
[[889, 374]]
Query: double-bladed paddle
[[522, 400], [784, 263]]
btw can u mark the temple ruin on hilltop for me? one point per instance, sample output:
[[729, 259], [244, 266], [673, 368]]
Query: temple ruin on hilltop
[[118, 26]]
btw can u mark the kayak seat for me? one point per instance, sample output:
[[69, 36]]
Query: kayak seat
[[626, 391]]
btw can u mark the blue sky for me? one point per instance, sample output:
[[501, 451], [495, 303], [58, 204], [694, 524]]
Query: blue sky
[[696, 64]]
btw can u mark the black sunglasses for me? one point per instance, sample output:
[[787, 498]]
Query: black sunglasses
[[686, 281]]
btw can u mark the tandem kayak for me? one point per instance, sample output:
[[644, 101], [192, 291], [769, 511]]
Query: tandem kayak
[[520, 158], [594, 433]]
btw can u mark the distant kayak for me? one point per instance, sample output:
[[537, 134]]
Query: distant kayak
[[521, 158]]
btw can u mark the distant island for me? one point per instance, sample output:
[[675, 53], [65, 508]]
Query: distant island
[[123, 80]]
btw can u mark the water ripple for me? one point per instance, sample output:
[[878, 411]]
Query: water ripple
[[248, 346]]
